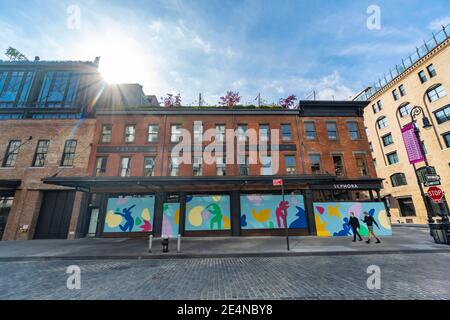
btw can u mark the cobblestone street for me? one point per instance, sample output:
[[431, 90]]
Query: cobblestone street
[[403, 276]]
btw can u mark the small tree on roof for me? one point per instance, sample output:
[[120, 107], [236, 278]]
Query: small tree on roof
[[230, 99], [15, 55], [288, 102]]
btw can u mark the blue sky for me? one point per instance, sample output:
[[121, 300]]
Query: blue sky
[[273, 47]]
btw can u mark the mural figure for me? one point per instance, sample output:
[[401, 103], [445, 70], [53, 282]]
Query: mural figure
[[345, 230], [243, 220], [129, 221], [214, 209], [300, 222], [282, 208]]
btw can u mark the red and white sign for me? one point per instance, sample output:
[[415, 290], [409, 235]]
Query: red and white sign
[[412, 144], [277, 182], [436, 194]]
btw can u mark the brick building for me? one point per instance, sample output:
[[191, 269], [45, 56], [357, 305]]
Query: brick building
[[138, 184]]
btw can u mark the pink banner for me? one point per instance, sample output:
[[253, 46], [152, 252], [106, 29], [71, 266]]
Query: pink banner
[[412, 144]]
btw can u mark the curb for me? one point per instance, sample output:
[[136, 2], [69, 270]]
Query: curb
[[225, 255]]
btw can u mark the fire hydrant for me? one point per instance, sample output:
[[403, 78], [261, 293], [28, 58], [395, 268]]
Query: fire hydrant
[[165, 244]]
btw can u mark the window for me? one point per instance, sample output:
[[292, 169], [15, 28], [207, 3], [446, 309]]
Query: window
[[58, 90], [198, 132], [14, 88], [197, 166], [69, 153], [371, 146], [125, 167], [395, 95], [242, 133], [406, 206], [338, 162], [310, 128], [353, 130], [174, 166], [374, 108], [221, 168], [100, 166], [446, 137], [130, 133], [421, 172], [266, 166], [244, 166], [375, 163], [41, 153], [435, 93], [263, 132], [382, 123], [387, 139], [405, 110], [289, 162], [402, 90], [361, 165], [332, 130], [220, 133], [443, 115], [175, 133], [152, 133], [431, 71], [106, 133], [422, 77], [11, 154], [286, 132], [149, 166], [392, 157], [398, 179], [379, 105], [314, 160]]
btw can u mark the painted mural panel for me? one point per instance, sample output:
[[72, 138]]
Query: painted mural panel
[[171, 219], [332, 218], [208, 213], [129, 214], [260, 211]]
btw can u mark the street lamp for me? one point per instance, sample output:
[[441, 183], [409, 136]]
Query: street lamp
[[415, 111]]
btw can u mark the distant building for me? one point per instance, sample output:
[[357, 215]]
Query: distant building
[[422, 79]]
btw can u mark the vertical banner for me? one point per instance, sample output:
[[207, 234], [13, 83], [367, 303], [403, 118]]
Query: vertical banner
[[412, 144]]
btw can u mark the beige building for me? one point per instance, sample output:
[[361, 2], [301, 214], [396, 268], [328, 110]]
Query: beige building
[[422, 79]]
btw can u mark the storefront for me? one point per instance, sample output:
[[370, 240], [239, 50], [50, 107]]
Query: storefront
[[7, 193], [238, 206]]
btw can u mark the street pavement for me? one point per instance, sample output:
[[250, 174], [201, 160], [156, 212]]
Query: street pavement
[[402, 276]]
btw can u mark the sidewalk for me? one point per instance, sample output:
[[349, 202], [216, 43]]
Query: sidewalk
[[405, 240]]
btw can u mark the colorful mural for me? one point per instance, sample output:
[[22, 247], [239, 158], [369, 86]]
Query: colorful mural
[[332, 218], [129, 214], [171, 219], [259, 211], [207, 213]]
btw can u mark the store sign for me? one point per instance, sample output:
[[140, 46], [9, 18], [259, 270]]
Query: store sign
[[412, 144], [278, 182], [346, 186]]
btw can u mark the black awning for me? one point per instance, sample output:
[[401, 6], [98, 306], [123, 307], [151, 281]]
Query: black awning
[[9, 184], [155, 183]]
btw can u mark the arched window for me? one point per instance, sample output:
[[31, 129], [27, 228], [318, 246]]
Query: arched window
[[398, 179], [436, 92], [405, 109], [382, 123], [421, 172]]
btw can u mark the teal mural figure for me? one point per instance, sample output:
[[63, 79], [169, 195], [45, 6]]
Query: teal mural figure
[[129, 221], [214, 209]]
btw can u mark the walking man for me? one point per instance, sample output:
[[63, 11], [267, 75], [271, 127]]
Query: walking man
[[370, 221], [354, 223]]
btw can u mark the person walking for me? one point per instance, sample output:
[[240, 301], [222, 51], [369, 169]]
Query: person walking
[[354, 223], [370, 221]]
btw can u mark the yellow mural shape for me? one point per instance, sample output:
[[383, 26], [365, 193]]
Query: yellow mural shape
[[216, 198], [262, 215], [321, 227], [176, 219], [226, 222], [195, 216], [113, 220], [384, 220], [145, 214], [334, 211]]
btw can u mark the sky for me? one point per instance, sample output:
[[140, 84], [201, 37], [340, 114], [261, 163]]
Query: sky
[[275, 48]]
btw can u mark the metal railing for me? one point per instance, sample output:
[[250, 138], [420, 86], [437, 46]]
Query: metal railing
[[420, 52]]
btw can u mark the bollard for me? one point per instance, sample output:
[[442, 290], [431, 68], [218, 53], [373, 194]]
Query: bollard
[[150, 243], [165, 244], [179, 243]]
